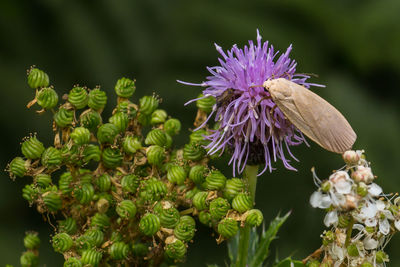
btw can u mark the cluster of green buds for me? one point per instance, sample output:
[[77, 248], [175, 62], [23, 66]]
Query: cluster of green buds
[[119, 196], [363, 219], [30, 257]]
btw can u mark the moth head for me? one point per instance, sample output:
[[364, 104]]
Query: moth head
[[277, 88]]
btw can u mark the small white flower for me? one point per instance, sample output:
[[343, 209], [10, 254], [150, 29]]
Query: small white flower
[[374, 189], [331, 218], [320, 200], [397, 224], [370, 243]]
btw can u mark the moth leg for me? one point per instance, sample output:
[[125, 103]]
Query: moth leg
[[272, 113]]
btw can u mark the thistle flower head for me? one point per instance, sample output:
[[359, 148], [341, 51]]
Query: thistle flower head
[[251, 127]]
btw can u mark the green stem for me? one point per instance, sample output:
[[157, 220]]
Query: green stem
[[349, 232], [250, 177]]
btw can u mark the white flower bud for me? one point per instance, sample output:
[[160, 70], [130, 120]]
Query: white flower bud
[[351, 157], [363, 174]]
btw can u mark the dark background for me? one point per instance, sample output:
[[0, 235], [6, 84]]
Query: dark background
[[354, 47]]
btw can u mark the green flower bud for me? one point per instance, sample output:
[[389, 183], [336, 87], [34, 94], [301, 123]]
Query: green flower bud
[[188, 220], [32, 148], [83, 243], [197, 137], [191, 193], [29, 193], [102, 205], [149, 224], [343, 220], [148, 104], [365, 264], [90, 119], [362, 189], [154, 190], [169, 217], [193, 152], [52, 200], [121, 120], [68, 226], [73, 262], [233, 187], [112, 158], [205, 104], [228, 227], [156, 137], [91, 257], [155, 155], [51, 157], [64, 184], [130, 183], [126, 209], [37, 78], [131, 144], [71, 154], [18, 167], [29, 259], [43, 180], [219, 207], [128, 108], [175, 250], [31, 240], [119, 251], [328, 237], [205, 218], [172, 126], [158, 116], [242, 202], [197, 174], [139, 250], [62, 242], [176, 174], [78, 97], [326, 186], [91, 152], [47, 98], [96, 236], [254, 217], [381, 256], [64, 117], [169, 141], [352, 250], [100, 220], [84, 193], [200, 201], [215, 180], [103, 182], [144, 119], [184, 231], [125, 87], [97, 99], [80, 135], [107, 133]]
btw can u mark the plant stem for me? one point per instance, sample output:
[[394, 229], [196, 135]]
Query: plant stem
[[348, 232], [250, 177]]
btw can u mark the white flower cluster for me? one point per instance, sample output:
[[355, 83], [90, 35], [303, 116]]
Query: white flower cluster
[[363, 219]]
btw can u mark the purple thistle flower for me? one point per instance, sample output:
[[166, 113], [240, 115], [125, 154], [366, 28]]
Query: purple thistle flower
[[250, 126]]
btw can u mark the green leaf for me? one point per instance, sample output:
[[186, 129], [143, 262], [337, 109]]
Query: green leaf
[[266, 238], [288, 262]]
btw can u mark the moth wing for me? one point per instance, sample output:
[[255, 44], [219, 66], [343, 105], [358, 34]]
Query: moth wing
[[317, 119]]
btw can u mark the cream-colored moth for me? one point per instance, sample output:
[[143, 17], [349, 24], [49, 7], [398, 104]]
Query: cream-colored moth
[[312, 115]]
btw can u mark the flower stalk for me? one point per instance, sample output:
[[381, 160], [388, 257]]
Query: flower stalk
[[250, 177]]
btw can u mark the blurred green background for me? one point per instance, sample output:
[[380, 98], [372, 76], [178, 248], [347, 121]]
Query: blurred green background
[[354, 47]]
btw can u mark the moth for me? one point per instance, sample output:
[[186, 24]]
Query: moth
[[312, 115]]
